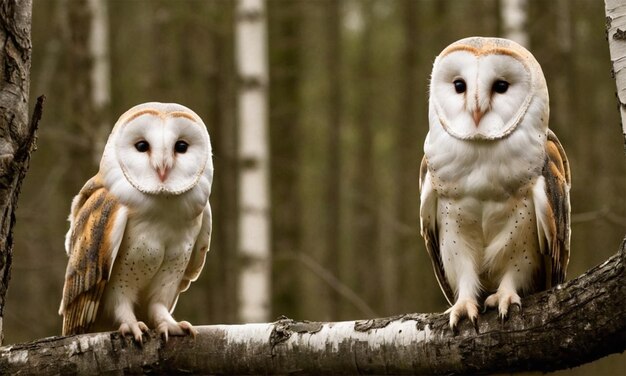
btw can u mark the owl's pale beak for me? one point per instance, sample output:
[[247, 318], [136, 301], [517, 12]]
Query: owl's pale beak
[[163, 172], [477, 115]]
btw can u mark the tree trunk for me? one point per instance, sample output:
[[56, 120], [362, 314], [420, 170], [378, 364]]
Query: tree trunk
[[285, 23], [222, 269], [16, 136], [513, 16], [574, 323], [616, 34], [254, 226], [81, 119], [411, 114], [100, 74], [365, 220], [333, 183]]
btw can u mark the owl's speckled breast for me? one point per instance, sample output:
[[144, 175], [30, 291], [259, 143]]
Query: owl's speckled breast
[[151, 261], [485, 209], [497, 235]]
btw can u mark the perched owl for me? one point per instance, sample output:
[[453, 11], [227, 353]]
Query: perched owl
[[140, 229], [494, 180]]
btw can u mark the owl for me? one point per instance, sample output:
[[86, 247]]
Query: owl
[[141, 227], [494, 180]]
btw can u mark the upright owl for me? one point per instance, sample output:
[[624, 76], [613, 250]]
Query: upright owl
[[140, 228], [494, 180]]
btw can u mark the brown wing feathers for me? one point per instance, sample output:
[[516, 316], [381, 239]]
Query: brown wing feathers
[[557, 177], [91, 251]]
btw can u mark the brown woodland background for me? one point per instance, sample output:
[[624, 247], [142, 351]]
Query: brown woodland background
[[347, 115]]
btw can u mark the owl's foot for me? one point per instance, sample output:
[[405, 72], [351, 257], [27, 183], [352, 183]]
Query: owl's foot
[[463, 308], [165, 329], [136, 329], [188, 328], [503, 299]]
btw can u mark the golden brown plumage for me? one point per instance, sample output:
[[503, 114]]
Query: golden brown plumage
[[92, 248], [556, 244]]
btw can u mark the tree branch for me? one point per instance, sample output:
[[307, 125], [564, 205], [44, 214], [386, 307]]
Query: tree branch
[[15, 53], [572, 324]]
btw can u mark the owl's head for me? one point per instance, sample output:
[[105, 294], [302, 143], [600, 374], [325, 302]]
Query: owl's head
[[482, 88], [161, 148]]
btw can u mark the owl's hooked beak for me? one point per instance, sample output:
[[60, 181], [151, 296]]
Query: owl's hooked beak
[[477, 114], [163, 172]]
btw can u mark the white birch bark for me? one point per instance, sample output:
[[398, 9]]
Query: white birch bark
[[572, 324], [254, 225], [616, 34], [514, 14], [100, 72]]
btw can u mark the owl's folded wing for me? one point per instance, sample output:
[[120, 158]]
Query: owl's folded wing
[[429, 228], [97, 223], [200, 249], [552, 207]]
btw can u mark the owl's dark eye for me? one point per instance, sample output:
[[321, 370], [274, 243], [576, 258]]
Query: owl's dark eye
[[181, 147], [500, 86], [459, 86], [142, 146]]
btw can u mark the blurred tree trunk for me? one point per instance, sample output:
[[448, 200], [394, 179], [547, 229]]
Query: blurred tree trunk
[[513, 14], [333, 184], [224, 138], [16, 136], [82, 120], [407, 170], [364, 189], [616, 34], [100, 75], [254, 226], [285, 25], [412, 111], [576, 323]]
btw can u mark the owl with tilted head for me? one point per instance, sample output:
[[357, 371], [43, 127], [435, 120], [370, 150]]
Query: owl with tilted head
[[141, 227], [494, 180]]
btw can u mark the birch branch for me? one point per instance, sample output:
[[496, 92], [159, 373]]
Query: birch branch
[[572, 324]]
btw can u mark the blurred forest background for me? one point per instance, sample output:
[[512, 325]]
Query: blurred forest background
[[348, 83]]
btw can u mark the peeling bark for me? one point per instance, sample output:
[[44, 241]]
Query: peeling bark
[[616, 35], [572, 324], [16, 137]]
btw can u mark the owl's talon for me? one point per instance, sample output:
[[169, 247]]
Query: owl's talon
[[188, 328], [504, 299], [475, 323], [463, 308], [136, 329], [165, 329]]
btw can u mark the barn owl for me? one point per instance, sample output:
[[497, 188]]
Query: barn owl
[[494, 180], [140, 228]]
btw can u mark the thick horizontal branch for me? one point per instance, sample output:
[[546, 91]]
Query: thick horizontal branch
[[575, 323]]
